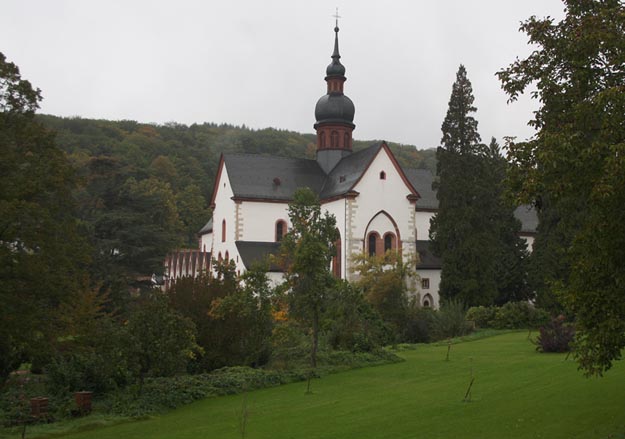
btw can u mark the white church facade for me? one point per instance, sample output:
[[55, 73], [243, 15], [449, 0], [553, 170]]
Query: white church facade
[[378, 205]]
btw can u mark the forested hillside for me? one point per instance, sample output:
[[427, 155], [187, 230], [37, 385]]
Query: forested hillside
[[144, 188]]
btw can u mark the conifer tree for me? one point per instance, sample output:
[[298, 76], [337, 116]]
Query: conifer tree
[[459, 127], [474, 231]]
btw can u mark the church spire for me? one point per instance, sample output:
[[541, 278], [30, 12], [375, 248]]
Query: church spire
[[334, 113], [336, 68]]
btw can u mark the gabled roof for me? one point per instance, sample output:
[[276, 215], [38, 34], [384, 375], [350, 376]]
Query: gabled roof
[[422, 180], [427, 260], [528, 217], [271, 178], [253, 252], [268, 178], [348, 172]]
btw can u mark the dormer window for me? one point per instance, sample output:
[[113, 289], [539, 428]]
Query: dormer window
[[382, 175]]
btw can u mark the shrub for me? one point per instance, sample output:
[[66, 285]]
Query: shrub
[[482, 316], [519, 315], [450, 320], [419, 325], [556, 336], [512, 315]]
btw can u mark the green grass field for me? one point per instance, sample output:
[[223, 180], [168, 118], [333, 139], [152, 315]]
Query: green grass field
[[517, 393]]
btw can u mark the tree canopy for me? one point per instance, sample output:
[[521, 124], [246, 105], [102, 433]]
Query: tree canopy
[[43, 255], [474, 231], [574, 168], [307, 250]]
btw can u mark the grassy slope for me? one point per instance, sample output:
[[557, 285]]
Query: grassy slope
[[518, 393]]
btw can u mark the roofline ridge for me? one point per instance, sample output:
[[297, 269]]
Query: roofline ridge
[[280, 157]]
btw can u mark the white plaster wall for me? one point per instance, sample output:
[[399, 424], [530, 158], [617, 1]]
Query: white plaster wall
[[388, 195], [422, 223], [225, 209], [337, 208], [435, 280], [530, 242], [259, 220], [381, 224], [206, 242], [275, 279]]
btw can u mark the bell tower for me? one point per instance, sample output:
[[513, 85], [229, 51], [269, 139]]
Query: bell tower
[[334, 114]]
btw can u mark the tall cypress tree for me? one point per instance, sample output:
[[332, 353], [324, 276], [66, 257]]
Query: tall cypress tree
[[474, 231], [459, 127]]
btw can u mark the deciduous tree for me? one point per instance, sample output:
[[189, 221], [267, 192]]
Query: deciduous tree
[[574, 168], [42, 253], [307, 250]]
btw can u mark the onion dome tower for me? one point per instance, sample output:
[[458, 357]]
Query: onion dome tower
[[334, 114]]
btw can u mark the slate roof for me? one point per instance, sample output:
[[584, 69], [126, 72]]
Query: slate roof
[[528, 217], [277, 178], [347, 172], [252, 252], [427, 260], [267, 177], [422, 180], [208, 227]]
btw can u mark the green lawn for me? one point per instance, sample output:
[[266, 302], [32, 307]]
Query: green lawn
[[518, 393]]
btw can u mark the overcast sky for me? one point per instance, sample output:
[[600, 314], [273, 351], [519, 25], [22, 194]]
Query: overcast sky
[[262, 63]]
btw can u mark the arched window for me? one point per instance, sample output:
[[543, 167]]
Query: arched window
[[389, 242], [372, 243], [346, 141], [427, 301], [334, 139], [220, 258], [382, 175], [322, 139], [281, 230], [227, 257], [223, 230]]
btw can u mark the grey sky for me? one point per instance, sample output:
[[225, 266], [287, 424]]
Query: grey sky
[[262, 63]]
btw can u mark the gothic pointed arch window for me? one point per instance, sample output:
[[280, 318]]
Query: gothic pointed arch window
[[227, 257], [428, 302]]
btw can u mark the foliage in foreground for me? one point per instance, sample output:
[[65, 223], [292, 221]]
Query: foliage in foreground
[[573, 170]]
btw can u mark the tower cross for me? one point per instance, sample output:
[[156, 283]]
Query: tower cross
[[337, 16]]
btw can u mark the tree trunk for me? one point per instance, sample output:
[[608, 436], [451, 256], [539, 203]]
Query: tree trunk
[[315, 339]]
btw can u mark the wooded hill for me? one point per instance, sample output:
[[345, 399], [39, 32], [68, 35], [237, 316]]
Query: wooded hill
[[144, 188]]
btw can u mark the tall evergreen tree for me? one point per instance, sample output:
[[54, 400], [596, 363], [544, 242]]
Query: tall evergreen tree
[[474, 231], [459, 127]]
